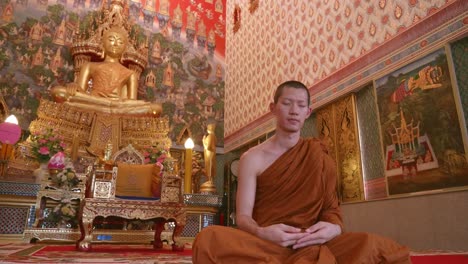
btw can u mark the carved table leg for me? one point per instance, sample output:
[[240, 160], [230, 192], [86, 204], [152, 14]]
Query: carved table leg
[[86, 227], [177, 246], [40, 206], [158, 228]]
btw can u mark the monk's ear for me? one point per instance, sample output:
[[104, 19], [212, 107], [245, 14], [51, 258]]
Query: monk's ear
[[309, 111], [272, 107]]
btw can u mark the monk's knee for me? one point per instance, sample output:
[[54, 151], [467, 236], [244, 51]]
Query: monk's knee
[[204, 246], [204, 236]]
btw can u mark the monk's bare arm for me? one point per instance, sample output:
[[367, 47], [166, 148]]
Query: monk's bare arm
[[250, 166], [247, 184]]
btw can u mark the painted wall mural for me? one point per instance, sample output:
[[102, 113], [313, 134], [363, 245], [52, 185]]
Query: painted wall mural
[[185, 40], [422, 138]]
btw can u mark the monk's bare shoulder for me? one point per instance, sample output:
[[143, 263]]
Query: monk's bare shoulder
[[256, 158]]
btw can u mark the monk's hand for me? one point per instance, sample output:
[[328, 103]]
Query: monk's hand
[[281, 234], [318, 234]]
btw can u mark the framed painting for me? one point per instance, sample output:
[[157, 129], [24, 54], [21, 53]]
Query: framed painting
[[424, 145]]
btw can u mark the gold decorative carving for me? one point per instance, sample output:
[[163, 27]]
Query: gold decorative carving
[[91, 131], [348, 150], [337, 125]]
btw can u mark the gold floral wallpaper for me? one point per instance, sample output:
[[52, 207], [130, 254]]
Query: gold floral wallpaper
[[318, 43]]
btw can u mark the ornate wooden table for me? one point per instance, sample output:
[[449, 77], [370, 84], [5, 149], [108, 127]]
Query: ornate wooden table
[[90, 208]]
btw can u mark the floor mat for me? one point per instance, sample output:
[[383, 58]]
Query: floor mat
[[31, 253]]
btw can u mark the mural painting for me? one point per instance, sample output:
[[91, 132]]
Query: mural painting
[[185, 42], [424, 148]]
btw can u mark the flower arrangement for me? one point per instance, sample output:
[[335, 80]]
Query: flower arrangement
[[64, 214], [156, 155], [65, 178], [45, 144]]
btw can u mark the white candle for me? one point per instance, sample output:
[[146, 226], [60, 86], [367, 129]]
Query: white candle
[[188, 165]]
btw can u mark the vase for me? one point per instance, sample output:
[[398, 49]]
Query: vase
[[63, 224], [41, 173]]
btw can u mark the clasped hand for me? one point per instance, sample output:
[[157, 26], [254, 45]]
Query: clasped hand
[[285, 235]]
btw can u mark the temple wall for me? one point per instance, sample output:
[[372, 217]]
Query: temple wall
[[333, 47], [338, 48]]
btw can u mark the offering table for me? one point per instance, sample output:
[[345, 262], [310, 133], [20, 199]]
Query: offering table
[[161, 212]]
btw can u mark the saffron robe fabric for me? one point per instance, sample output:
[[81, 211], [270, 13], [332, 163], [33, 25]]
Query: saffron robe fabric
[[298, 189]]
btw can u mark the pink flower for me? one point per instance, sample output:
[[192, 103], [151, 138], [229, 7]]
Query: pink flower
[[161, 158], [160, 165], [147, 160], [44, 150]]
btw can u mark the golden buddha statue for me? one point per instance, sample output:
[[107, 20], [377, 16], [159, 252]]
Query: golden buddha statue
[[113, 87], [99, 113], [209, 151]]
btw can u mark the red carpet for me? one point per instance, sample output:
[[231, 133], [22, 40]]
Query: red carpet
[[440, 259]]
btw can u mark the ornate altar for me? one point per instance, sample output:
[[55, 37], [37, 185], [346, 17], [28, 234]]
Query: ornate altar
[[102, 202], [91, 119]]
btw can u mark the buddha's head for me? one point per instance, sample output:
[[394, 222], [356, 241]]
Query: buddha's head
[[211, 127], [114, 41]]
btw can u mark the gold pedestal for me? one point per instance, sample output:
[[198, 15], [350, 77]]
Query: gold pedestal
[[208, 187], [88, 131]]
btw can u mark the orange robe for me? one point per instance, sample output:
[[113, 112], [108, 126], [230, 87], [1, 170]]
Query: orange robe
[[298, 189]]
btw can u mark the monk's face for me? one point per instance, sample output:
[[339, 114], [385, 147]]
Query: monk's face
[[291, 110], [114, 44]]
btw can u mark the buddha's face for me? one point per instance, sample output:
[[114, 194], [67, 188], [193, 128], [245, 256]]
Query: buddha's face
[[211, 127], [114, 43]]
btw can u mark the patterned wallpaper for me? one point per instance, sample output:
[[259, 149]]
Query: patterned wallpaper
[[316, 43]]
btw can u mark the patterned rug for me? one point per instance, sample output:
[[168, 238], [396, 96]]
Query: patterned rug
[[43, 253], [104, 253]]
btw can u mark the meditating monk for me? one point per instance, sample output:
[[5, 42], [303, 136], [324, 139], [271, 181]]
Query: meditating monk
[[114, 87], [287, 207]]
